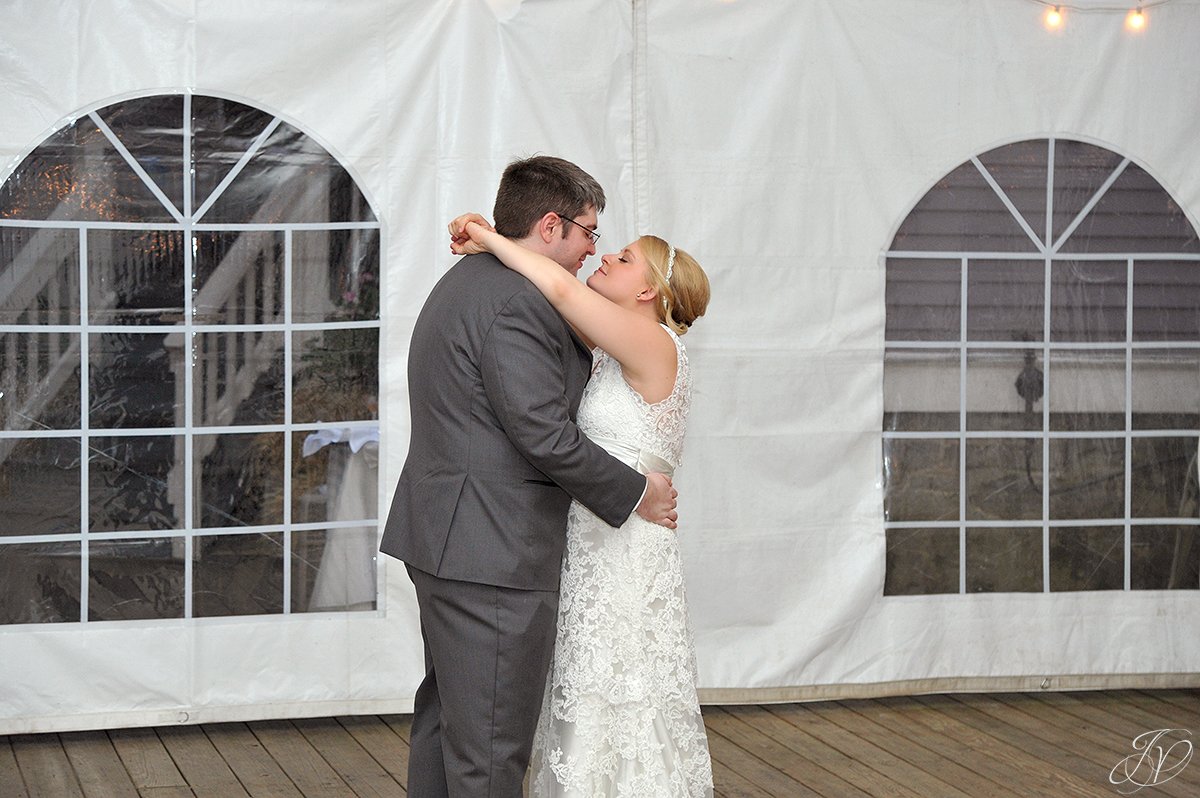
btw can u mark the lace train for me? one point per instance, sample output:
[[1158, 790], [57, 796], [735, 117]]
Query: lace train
[[620, 715]]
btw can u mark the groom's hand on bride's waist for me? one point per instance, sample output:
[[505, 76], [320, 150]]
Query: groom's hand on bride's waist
[[658, 503]]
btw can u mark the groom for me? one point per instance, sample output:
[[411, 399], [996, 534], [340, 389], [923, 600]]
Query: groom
[[479, 514]]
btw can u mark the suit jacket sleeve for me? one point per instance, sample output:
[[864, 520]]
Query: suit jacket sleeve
[[522, 372]]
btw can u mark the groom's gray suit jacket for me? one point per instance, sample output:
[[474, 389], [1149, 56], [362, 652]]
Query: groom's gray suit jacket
[[495, 380]]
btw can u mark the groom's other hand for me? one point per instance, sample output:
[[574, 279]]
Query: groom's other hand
[[658, 504]]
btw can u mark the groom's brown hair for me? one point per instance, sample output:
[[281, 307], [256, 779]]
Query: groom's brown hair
[[532, 187]]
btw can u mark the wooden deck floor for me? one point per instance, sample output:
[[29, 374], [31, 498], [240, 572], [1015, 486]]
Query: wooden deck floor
[[1046, 744]]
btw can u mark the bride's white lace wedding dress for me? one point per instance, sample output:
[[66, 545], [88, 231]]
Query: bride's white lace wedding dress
[[620, 715]]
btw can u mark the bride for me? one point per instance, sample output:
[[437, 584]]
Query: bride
[[620, 715]]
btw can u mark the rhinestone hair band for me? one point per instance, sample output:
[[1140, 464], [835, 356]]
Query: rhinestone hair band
[[670, 269]]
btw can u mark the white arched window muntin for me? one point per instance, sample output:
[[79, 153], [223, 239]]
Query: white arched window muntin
[[189, 327], [1042, 379]]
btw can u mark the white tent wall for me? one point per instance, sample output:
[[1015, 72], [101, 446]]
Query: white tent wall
[[780, 142], [834, 119]]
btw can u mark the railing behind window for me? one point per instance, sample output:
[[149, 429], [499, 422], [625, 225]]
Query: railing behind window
[[36, 365], [243, 289]]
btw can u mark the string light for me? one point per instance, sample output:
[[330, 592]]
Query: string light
[[1136, 19]]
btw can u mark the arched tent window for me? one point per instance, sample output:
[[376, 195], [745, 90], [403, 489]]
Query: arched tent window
[[189, 311], [1042, 379]]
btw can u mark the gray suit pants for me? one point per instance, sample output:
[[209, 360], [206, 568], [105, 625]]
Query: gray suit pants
[[487, 652]]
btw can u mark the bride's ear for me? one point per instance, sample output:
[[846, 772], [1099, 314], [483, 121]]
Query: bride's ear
[[647, 294]]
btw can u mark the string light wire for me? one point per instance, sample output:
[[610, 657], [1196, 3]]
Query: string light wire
[[1054, 16], [1096, 9]]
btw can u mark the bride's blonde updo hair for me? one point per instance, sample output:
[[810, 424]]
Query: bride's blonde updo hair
[[683, 298]]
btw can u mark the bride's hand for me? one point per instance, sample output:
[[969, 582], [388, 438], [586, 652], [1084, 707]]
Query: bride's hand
[[462, 242]]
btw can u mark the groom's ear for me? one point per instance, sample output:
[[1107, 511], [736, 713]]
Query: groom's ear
[[547, 225]]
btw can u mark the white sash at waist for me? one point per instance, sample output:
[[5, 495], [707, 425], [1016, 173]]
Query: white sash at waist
[[645, 462]]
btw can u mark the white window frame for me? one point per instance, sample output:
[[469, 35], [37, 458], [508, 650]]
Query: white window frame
[[189, 221], [1046, 249]]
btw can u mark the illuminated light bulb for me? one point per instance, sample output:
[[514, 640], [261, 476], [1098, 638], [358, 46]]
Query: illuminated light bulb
[[1136, 20], [1053, 19]]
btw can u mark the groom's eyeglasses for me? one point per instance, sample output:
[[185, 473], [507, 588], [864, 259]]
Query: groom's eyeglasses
[[591, 233]]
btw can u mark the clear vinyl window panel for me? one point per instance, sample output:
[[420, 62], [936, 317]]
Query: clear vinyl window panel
[[1041, 422], [189, 347]]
